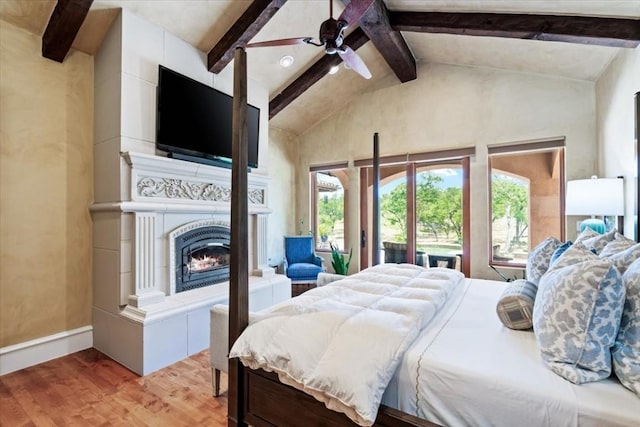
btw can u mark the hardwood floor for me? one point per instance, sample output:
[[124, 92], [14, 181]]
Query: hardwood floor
[[89, 389]]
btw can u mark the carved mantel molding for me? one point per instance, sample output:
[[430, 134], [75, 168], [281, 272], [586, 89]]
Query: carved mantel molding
[[157, 179]]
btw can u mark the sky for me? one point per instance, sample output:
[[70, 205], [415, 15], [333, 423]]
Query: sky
[[450, 178]]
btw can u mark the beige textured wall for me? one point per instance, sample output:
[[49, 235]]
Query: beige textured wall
[[283, 158], [615, 97], [452, 106], [46, 131]]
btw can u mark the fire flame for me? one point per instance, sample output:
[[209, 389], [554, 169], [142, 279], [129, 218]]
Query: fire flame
[[204, 263]]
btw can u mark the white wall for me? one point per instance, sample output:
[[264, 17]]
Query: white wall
[[453, 106], [615, 91]]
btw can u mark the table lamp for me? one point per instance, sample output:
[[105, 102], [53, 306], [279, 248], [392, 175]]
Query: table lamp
[[596, 197]]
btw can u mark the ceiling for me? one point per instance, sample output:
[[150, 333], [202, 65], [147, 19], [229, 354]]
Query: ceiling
[[203, 22]]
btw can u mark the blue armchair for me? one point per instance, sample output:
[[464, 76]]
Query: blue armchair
[[301, 264]]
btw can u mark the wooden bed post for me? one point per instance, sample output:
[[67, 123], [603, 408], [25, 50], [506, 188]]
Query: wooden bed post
[[239, 268], [375, 223]]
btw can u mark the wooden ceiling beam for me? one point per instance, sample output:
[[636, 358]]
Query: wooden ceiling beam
[[388, 41], [63, 26], [614, 32], [241, 32], [318, 70]]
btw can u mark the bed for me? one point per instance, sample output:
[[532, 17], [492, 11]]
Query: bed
[[436, 383]]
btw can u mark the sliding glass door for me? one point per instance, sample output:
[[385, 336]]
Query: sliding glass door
[[439, 214], [422, 213]]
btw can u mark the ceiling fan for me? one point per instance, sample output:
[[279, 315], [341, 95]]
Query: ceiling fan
[[332, 36]]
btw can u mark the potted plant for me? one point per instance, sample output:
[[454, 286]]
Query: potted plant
[[338, 262]]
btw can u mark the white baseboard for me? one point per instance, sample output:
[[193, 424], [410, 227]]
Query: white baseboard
[[29, 353]]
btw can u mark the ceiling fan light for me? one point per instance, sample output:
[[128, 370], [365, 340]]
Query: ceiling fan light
[[334, 69], [286, 61]]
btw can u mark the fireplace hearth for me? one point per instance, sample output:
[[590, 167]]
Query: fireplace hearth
[[202, 257]]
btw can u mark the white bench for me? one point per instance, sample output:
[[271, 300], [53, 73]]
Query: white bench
[[263, 293]]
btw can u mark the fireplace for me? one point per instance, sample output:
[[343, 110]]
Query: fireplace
[[161, 259], [201, 257]]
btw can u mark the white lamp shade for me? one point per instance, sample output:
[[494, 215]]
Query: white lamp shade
[[595, 196]]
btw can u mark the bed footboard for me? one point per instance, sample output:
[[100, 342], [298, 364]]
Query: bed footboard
[[268, 402]]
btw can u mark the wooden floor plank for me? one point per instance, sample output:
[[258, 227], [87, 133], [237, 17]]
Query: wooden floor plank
[[88, 388]]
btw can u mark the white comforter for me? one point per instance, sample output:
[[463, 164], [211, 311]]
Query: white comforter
[[341, 343]]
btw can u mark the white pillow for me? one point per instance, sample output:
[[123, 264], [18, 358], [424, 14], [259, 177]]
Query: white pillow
[[626, 351], [576, 315]]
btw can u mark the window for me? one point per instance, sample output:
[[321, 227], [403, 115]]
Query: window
[[328, 206], [526, 187]]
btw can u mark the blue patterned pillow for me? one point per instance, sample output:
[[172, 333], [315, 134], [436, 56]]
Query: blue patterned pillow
[[559, 251], [574, 254], [576, 315], [623, 259], [539, 258], [587, 233], [618, 244], [597, 242], [626, 351]]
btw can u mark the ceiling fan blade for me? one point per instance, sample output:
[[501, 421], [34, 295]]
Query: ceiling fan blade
[[354, 11], [281, 42], [351, 58]]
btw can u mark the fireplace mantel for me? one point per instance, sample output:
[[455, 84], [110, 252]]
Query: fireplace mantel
[[160, 183]]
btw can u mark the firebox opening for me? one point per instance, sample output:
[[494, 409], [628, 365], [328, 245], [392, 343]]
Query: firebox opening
[[202, 257]]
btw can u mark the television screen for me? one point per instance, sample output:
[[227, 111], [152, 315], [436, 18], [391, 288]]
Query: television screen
[[195, 120]]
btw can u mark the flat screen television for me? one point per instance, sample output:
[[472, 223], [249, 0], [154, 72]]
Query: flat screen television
[[194, 121]]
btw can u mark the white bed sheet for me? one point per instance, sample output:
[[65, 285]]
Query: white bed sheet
[[470, 370]]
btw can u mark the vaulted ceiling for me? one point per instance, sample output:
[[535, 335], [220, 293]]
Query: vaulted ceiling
[[393, 36]]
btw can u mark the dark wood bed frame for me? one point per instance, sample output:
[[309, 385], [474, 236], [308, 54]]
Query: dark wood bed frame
[[256, 397]]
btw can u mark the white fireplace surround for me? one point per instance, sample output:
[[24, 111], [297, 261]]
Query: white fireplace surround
[[139, 320], [175, 189]]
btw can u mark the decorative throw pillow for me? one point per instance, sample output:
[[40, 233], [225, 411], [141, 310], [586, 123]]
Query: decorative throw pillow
[[574, 254], [515, 306], [587, 233], [623, 259], [539, 258], [559, 251], [576, 316], [626, 351], [597, 242], [619, 243]]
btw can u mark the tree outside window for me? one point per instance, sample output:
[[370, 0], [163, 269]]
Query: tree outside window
[[438, 211], [509, 216], [330, 199]]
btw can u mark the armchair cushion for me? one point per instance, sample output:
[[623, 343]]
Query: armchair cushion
[[303, 271]]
